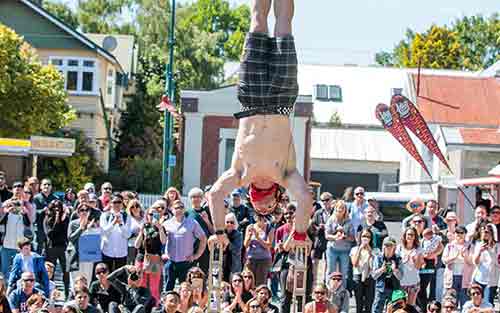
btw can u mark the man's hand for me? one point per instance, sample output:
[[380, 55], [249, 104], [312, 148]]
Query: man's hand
[[204, 216], [191, 258], [165, 257], [221, 240]]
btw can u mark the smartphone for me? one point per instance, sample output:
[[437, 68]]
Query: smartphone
[[156, 217]]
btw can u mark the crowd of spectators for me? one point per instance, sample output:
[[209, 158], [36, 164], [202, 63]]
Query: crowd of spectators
[[116, 256]]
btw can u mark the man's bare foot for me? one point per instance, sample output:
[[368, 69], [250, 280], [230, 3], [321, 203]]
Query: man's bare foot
[[283, 10], [260, 12]]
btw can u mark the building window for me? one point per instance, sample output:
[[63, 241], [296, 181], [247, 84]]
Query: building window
[[110, 88], [80, 74], [328, 93], [335, 93]]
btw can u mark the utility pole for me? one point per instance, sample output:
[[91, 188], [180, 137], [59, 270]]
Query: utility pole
[[168, 121]]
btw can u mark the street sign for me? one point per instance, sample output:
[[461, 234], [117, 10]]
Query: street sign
[[14, 146], [172, 159], [51, 146]]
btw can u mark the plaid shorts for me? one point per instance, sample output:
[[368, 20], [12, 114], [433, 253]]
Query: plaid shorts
[[268, 76]]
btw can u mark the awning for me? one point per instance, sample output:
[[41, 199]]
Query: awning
[[479, 181]]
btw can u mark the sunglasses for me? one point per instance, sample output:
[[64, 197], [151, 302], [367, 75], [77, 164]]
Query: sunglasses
[[495, 212], [237, 280], [326, 200], [449, 307], [46, 184], [319, 292], [366, 236], [418, 222], [99, 272], [460, 233], [254, 306], [360, 194], [107, 188], [475, 294], [116, 202], [433, 310], [17, 186], [230, 222], [179, 208], [247, 276], [29, 280], [336, 278]]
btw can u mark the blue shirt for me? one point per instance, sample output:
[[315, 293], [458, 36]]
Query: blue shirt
[[356, 214], [181, 238], [17, 299]]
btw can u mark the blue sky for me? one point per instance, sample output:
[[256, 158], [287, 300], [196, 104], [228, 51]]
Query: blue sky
[[352, 31]]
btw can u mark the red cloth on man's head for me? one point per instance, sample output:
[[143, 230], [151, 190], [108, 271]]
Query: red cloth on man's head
[[257, 195]]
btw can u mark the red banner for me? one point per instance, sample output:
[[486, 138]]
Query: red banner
[[391, 123], [413, 120]]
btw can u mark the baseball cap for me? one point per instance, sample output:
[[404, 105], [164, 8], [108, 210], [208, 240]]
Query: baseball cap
[[336, 275], [398, 295], [389, 241]]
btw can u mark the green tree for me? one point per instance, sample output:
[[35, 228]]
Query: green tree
[[470, 43], [73, 171], [102, 16], [63, 12], [32, 96], [335, 120]]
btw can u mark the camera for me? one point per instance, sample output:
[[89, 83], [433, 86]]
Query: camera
[[134, 276], [16, 207]]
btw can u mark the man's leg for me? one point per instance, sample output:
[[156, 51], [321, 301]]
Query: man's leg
[[260, 12], [283, 10]]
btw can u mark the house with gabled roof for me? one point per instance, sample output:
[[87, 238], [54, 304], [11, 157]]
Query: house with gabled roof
[[95, 77]]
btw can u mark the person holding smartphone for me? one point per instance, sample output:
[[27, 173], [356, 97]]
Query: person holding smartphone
[[149, 244]]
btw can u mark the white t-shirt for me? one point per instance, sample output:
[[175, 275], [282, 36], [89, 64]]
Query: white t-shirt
[[457, 265], [484, 269], [410, 275]]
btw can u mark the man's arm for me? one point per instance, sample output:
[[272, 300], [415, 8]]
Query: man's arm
[[228, 181], [297, 187]]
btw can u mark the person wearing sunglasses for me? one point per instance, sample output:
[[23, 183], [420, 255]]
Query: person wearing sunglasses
[[417, 208], [41, 201], [101, 291], [82, 226], [235, 299], [339, 296], [318, 223], [458, 264], [357, 207], [18, 297], [232, 255], [134, 297], [477, 304], [320, 303], [253, 306]]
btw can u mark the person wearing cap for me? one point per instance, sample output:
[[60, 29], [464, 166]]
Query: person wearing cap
[[115, 225], [244, 214], [386, 274], [458, 264], [417, 208], [339, 296], [399, 301]]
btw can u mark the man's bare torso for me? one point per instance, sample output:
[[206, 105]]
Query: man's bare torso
[[264, 150]]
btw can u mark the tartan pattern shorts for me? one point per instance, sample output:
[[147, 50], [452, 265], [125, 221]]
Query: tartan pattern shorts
[[268, 76]]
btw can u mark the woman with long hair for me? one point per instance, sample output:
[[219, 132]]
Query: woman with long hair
[[186, 295], [136, 214], [4, 301], [258, 242], [411, 261], [362, 258], [149, 244], [485, 261], [458, 264], [234, 301], [320, 303], [248, 280], [171, 195], [339, 233], [197, 278]]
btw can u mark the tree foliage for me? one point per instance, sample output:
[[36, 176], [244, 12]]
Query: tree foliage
[[101, 16], [32, 96], [63, 12], [470, 43], [73, 171]]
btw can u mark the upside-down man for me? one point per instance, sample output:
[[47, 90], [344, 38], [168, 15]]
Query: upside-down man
[[264, 156]]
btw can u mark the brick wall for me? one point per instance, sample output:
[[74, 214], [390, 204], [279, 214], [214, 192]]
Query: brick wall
[[210, 146]]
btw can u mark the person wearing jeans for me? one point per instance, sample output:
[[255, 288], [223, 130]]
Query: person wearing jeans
[[179, 252], [386, 274], [340, 235]]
